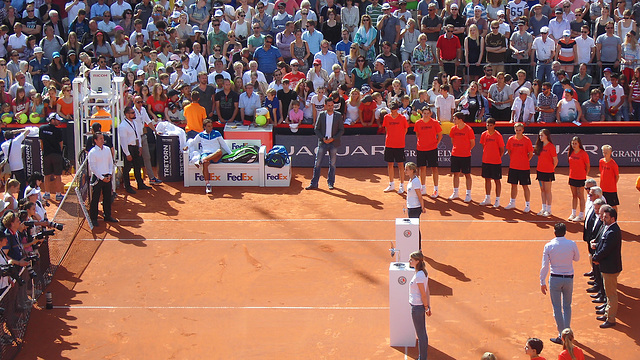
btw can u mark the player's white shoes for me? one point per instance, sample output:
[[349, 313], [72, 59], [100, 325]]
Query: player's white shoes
[[401, 189], [467, 198], [510, 206]]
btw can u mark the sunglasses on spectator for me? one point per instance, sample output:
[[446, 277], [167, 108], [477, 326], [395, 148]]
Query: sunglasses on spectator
[[138, 102]]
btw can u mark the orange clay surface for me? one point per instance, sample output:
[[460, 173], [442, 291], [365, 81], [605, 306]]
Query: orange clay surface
[[284, 273]]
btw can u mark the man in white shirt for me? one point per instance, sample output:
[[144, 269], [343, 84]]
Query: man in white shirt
[[196, 60], [142, 119], [72, 8], [559, 255], [523, 107], [131, 145], [12, 149], [544, 48], [586, 46], [253, 67], [117, 8], [445, 105], [17, 41], [179, 75], [218, 68], [101, 166]]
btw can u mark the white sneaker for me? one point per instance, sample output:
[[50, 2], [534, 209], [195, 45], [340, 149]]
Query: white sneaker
[[496, 204], [571, 217], [578, 218], [390, 188], [485, 202], [209, 189], [467, 198], [434, 194], [541, 213], [423, 191], [547, 213], [510, 206], [454, 196], [527, 209], [401, 189]]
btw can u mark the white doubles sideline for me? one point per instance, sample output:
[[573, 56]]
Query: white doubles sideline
[[89, 307], [308, 239]]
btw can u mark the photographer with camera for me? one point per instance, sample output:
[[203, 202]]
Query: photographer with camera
[[6, 264]]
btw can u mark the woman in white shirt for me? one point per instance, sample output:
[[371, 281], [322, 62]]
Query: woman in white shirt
[[415, 204], [419, 298]]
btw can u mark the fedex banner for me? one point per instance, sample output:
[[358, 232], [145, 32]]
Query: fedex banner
[[368, 150]]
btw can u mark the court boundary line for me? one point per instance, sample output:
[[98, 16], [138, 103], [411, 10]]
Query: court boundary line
[[510, 221], [307, 239], [97, 307]]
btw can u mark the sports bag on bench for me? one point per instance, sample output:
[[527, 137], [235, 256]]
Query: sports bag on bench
[[277, 157], [246, 154]]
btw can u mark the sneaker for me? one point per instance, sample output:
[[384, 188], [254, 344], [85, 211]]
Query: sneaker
[[434, 194], [47, 196], [578, 218], [401, 189], [59, 197], [390, 188], [485, 202], [527, 209], [547, 213], [155, 181], [467, 198], [423, 191], [541, 213], [510, 206], [454, 196], [571, 217], [209, 189], [496, 204], [197, 164]]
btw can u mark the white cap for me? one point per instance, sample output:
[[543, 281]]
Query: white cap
[[381, 61], [31, 191], [500, 12], [566, 32], [140, 72], [386, 6], [544, 29], [218, 13], [38, 50]]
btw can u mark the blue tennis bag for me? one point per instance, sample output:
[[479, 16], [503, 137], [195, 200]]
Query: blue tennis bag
[[277, 157]]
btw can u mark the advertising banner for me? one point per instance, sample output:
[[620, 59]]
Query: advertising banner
[[368, 150], [32, 155], [169, 155]]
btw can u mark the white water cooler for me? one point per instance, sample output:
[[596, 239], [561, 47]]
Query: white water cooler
[[407, 237], [402, 332]]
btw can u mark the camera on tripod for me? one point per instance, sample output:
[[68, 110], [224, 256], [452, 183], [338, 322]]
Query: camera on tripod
[[12, 271]]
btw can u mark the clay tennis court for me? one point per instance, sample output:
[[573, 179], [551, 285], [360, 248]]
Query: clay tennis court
[[269, 273]]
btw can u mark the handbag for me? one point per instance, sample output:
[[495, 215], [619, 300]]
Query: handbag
[[5, 169]]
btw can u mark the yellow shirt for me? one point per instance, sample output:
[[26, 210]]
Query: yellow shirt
[[195, 114]]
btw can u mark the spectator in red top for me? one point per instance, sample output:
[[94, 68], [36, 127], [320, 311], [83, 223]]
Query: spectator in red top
[[492, 150], [609, 175], [547, 162], [449, 51], [578, 170], [396, 126], [520, 153], [569, 350], [367, 110], [157, 102], [429, 134], [487, 80], [463, 141]]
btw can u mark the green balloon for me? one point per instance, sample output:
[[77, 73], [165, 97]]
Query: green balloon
[[261, 120]]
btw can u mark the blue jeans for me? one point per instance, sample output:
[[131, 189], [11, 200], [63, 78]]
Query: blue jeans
[[333, 154], [543, 71], [418, 316], [561, 291]]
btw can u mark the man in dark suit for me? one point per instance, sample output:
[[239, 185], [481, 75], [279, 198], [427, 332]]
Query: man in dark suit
[[608, 256], [329, 129], [592, 225]]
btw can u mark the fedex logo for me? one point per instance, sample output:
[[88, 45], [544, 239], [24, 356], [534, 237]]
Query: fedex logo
[[276, 177], [235, 146], [200, 177], [239, 177]]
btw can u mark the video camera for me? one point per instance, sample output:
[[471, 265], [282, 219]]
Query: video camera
[[44, 234], [51, 224], [13, 271]]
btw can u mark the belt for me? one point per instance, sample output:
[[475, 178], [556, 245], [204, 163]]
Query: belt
[[563, 276]]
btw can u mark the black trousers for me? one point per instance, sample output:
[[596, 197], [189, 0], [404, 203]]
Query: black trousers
[[21, 176], [104, 188], [415, 213], [135, 163]]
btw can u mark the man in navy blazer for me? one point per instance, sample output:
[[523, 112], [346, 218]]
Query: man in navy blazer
[[329, 129], [608, 256]]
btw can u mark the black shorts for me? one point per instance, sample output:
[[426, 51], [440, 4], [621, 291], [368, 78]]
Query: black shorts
[[522, 177], [545, 176], [611, 197], [492, 171], [577, 183], [427, 158], [52, 164], [461, 164], [394, 155]]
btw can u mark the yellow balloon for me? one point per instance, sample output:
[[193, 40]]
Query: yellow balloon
[[446, 127]]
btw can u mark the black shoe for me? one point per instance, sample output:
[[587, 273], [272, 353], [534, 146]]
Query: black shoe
[[311, 187], [599, 301], [601, 307], [111, 219], [600, 312], [593, 289], [130, 190], [590, 273], [607, 324], [591, 282], [596, 295], [592, 277], [331, 187], [602, 318], [556, 340], [144, 187]]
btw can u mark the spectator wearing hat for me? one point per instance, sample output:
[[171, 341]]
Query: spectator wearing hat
[[118, 8], [224, 25], [520, 44], [558, 25], [566, 51], [458, 22], [538, 20], [544, 49], [37, 67], [51, 141], [318, 75], [380, 79], [449, 50], [294, 76], [57, 71], [389, 27]]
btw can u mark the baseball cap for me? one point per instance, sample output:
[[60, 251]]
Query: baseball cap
[[367, 98], [566, 33], [365, 88], [293, 127], [38, 50], [455, 6], [172, 92], [381, 61], [521, 23], [500, 12], [386, 6], [294, 62], [607, 69], [140, 72], [55, 54], [477, 7], [172, 106], [317, 62], [544, 30], [175, 14], [45, 78], [218, 13], [524, 90], [179, 3], [196, 29], [558, 10]]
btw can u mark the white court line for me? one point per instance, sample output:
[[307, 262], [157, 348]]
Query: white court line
[[306, 239], [510, 221], [88, 307]]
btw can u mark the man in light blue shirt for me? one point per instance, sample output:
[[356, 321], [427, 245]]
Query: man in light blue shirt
[[328, 57], [313, 37], [559, 255], [248, 103]]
